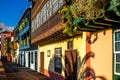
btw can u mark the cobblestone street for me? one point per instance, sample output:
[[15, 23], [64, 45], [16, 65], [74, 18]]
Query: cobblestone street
[[11, 71]]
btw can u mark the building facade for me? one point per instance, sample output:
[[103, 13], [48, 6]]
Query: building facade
[[15, 44], [27, 53], [92, 52], [5, 33], [54, 47]]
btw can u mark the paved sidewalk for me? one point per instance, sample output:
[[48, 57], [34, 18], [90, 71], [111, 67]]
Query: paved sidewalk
[[15, 72]]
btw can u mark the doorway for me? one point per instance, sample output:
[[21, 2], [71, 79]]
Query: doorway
[[42, 62], [35, 60], [71, 65], [29, 59]]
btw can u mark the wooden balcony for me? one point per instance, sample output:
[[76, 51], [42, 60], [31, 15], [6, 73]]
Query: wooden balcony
[[52, 25]]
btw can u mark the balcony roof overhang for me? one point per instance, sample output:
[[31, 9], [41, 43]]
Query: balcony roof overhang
[[52, 35], [57, 36], [108, 21]]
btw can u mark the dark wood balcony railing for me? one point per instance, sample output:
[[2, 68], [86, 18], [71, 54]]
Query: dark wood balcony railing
[[50, 23]]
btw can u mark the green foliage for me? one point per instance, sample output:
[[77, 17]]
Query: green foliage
[[8, 47], [77, 20], [90, 9], [115, 6], [77, 12], [67, 16], [70, 25]]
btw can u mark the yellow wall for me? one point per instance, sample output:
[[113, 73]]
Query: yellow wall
[[102, 48], [78, 43]]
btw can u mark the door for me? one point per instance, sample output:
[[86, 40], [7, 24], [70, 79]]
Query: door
[[24, 59], [28, 59], [42, 62], [71, 65], [20, 58], [35, 60]]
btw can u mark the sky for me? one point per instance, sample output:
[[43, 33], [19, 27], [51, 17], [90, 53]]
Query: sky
[[12, 10]]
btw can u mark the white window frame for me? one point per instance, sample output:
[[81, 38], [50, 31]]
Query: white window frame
[[44, 9], [61, 2], [39, 17], [37, 21], [55, 6], [116, 52], [48, 9]]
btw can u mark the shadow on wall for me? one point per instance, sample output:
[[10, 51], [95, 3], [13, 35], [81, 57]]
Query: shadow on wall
[[87, 72], [82, 72], [54, 75]]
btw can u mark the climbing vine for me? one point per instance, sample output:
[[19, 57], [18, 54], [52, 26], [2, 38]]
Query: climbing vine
[[67, 16]]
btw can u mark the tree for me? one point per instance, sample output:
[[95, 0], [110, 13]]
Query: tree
[[8, 48]]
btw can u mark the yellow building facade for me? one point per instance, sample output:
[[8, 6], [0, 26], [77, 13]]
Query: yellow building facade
[[101, 63], [49, 55]]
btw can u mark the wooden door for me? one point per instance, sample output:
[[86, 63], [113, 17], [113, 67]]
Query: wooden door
[[35, 60], [42, 62], [71, 65]]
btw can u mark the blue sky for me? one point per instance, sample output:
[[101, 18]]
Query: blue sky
[[11, 11]]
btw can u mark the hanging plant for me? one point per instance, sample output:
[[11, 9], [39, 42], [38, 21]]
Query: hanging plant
[[79, 12], [89, 9], [67, 16]]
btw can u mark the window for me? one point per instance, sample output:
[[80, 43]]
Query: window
[[48, 9], [32, 57], [27, 24], [44, 13], [0, 29], [55, 6], [57, 60], [117, 52], [70, 45], [48, 53], [32, 26], [51, 5], [4, 36], [37, 21], [39, 18], [28, 33], [61, 2]]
